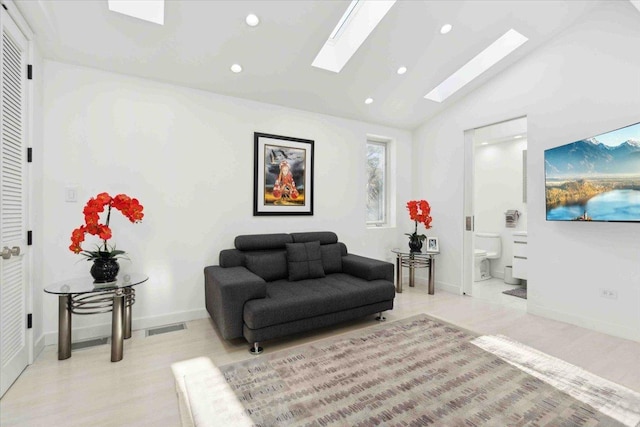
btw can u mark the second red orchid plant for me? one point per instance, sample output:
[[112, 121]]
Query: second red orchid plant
[[129, 207]]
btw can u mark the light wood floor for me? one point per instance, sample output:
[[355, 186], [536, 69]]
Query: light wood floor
[[89, 390]]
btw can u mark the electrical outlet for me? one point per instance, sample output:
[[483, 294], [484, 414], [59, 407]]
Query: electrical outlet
[[71, 193], [609, 293]]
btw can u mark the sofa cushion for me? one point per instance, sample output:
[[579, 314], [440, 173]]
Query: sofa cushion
[[262, 242], [288, 301], [268, 265], [304, 261], [331, 258], [232, 258], [324, 237]]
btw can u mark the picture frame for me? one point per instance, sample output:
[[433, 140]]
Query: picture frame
[[283, 175], [432, 244]]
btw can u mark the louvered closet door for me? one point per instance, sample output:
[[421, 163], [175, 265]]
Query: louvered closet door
[[14, 350]]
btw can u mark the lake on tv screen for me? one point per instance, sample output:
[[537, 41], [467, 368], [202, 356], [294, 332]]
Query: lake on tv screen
[[615, 205]]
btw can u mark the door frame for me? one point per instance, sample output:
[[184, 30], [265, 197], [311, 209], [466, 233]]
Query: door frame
[[468, 204], [468, 213]]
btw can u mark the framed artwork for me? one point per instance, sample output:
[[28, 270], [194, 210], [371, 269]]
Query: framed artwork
[[432, 244], [283, 175]]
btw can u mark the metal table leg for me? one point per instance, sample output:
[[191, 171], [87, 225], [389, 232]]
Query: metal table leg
[[399, 273], [432, 275], [64, 327], [129, 295], [412, 271], [117, 326], [127, 322]]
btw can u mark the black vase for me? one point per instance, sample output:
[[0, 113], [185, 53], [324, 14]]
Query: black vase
[[415, 244], [104, 270]]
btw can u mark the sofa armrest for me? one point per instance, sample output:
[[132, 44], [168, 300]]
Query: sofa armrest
[[367, 268], [226, 290]]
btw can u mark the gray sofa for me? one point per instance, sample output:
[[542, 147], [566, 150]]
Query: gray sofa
[[272, 285]]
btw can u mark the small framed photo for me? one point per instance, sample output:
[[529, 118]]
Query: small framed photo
[[283, 175], [432, 244]]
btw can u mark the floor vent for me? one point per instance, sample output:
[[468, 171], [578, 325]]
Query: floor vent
[[165, 329], [89, 343]]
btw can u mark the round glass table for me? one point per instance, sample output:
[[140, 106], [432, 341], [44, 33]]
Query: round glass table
[[83, 296], [413, 260]]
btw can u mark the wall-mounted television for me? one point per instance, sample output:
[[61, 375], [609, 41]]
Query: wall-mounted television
[[595, 179]]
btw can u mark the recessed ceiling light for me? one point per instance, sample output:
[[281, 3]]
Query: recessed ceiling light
[[236, 68], [498, 50], [518, 137], [358, 21], [252, 20], [402, 70], [147, 10], [445, 28], [484, 143], [368, 101]]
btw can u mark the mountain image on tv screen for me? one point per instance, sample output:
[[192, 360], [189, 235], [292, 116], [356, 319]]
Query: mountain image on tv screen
[[595, 179]]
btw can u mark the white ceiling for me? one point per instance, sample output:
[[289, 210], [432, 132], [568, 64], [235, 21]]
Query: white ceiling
[[201, 39]]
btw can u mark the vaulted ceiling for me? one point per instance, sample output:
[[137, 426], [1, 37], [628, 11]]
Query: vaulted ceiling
[[200, 40]]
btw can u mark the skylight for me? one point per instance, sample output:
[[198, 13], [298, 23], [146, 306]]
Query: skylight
[[147, 10], [486, 59], [342, 23], [359, 20]]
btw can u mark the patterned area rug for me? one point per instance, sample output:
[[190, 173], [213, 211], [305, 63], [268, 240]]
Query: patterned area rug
[[517, 292], [607, 397], [413, 372]]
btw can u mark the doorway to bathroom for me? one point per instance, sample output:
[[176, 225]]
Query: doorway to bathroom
[[496, 213]]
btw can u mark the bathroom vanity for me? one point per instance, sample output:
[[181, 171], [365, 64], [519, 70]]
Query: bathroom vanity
[[520, 255]]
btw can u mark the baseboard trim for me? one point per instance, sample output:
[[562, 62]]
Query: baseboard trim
[[440, 286], [104, 329], [38, 346], [620, 331], [448, 287]]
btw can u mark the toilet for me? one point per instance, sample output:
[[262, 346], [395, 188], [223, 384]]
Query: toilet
[[487, 246]]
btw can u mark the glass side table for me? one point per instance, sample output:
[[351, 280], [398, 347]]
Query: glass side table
[[83, 296], [413, 260]]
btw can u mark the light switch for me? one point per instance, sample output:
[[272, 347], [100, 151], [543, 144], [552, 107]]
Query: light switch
[[71, 194]]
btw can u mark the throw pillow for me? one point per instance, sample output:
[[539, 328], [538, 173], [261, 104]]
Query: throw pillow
[[304, 261], [268, 265], [331, 258]]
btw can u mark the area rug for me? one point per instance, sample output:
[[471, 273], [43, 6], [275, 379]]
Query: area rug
[[414, 372], [607, 397], [517, 292]]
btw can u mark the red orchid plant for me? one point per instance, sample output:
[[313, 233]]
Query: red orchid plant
[[129, 207], [419, 212]]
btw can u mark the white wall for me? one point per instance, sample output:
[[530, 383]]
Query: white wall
[[584, 82], [187, 155], [497, 189]]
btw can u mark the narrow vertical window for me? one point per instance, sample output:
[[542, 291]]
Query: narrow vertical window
[[376, 183]]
